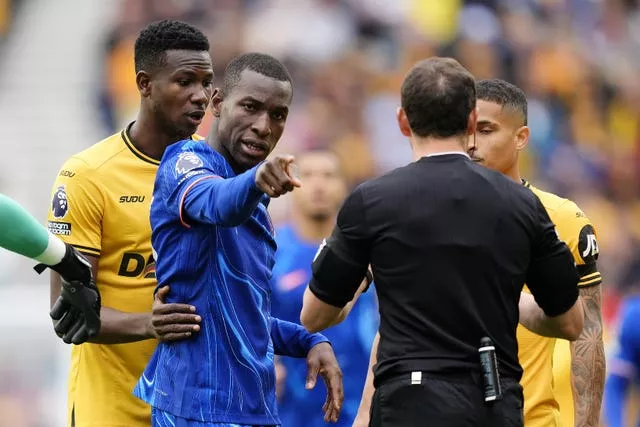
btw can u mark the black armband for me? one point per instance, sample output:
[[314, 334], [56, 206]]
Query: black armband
[[553, 282], [335, 279]]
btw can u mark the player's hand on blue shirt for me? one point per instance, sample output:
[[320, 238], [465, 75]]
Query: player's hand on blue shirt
[[275, 176], [171, 322], [321, 360]]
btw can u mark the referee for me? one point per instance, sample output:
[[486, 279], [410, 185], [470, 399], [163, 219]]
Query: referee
[[451, 244]]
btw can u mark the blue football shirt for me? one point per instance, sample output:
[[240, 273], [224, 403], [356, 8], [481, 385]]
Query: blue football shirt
[[214, 245], [624, 366], [351, 339]]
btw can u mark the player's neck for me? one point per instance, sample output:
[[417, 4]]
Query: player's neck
[[310, 229], [148, 138], [514, 174], [423, 147], [214, 142]]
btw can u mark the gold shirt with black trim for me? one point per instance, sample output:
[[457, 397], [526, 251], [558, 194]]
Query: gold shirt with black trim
[[546, 361], [100, 204]]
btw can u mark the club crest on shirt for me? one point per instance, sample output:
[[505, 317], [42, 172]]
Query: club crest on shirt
[[187, 161], [60, 203]]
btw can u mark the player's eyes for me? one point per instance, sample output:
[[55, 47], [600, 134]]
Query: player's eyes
[[184, 82], [278, 116], [249, 107], [485, 131]]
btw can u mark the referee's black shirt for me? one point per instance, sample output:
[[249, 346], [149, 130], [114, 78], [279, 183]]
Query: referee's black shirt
[[451, 244]]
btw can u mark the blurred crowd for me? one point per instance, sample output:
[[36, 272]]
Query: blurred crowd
[[577, 60]]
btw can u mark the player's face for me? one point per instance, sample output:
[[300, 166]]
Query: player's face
[[181, 91], [252, 117], [323, 186], [497, 138]]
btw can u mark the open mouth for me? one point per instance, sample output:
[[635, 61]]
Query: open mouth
[[196, 117], [254, 148]]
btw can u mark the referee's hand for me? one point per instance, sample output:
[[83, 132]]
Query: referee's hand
[[172, 322], [275, 176], [321, 360]]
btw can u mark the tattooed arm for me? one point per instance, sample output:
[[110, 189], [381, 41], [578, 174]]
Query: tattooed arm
[[587, 352], [588, 361]]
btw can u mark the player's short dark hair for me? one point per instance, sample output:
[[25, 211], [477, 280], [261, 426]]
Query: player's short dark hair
[[157, 38], [260, 63], [438, 94], [505, 94]]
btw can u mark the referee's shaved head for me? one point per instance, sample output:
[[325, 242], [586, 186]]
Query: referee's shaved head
[[438, 95]]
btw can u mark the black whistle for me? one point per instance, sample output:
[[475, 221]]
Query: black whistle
[[489, 364]]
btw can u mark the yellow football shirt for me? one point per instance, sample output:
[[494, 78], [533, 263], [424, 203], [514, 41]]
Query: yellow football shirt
[[100, 204], [548, 401]]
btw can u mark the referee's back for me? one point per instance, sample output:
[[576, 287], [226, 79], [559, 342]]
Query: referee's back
[[451, 245]]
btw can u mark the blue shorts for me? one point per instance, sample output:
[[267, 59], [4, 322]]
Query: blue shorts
[[164, 419]]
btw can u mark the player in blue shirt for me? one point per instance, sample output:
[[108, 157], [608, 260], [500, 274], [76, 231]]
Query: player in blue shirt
[[625, 365], [314, 210], [214, 245]]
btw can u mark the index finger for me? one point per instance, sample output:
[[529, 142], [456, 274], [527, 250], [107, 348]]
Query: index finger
[[289, 169], [174, 308]]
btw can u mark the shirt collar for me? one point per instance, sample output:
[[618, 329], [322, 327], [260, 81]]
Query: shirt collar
[[446, 153]]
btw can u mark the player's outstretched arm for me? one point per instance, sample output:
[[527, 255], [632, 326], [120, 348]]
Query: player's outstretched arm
[[24, 235], [118, 327], [364, 410], [77, 316], [230, 202]]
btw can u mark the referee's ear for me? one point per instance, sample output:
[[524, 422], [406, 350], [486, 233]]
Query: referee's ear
[[403, 122]]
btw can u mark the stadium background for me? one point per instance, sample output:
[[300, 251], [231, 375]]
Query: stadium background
[[66, 81]]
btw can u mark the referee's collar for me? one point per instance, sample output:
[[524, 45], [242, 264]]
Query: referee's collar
[[446, 153]]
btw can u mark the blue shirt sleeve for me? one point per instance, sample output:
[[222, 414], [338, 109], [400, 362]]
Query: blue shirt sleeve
[[197, 191], [622, 368], [291, 339]]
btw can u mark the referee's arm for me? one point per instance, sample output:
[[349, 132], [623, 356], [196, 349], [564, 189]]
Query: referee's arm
[[339, 268], [555, 309]]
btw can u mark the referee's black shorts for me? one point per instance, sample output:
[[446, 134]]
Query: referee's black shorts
[[427, 400]]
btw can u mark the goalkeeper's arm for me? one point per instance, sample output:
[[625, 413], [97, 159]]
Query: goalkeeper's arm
[[24, 235], [77, 311]]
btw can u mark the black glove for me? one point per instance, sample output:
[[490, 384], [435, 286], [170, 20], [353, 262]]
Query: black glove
[[76, 313]]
